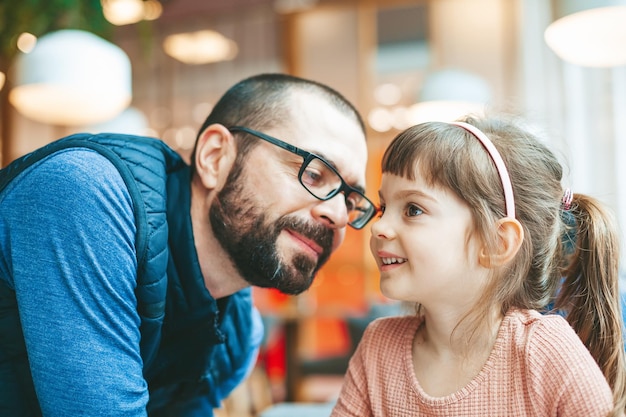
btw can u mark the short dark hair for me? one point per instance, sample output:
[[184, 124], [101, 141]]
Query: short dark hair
[[260, 102]]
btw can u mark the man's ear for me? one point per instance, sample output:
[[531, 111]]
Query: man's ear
[[510, 238], [215, 154]]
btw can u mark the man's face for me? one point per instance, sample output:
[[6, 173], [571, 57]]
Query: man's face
[[250, 239], [276, 233]]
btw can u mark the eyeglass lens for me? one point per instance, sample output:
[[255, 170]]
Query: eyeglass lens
[[324, 182]]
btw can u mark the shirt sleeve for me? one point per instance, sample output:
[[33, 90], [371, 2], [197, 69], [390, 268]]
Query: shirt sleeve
[[69, 232]]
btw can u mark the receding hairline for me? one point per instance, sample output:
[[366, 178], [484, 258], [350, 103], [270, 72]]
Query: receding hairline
[[291, 97], [331, 96], [265, 101]]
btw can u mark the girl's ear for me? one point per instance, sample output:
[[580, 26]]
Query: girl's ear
[[215, 154], [510, 238]]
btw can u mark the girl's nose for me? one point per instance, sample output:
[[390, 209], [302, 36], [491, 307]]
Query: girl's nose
[[381, 228]]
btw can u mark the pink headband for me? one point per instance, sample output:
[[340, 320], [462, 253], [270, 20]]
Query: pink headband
[[509, 201]]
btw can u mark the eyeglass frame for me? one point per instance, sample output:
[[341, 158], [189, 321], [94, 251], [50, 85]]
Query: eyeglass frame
[[307, 157]]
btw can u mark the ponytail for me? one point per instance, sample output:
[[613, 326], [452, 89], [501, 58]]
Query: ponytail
[[590, 290]]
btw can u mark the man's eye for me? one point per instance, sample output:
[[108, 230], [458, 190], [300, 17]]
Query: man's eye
[[413, 210], [311, 177], [351, 204]]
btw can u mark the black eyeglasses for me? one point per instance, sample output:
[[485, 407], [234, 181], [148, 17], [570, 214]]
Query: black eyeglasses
[[322, 180]]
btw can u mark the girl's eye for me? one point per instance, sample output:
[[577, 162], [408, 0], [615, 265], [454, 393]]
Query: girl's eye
[[412, 210], [380, 210]]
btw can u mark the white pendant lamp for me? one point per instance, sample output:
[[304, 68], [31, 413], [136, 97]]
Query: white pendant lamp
[[589, 33], [72, 78], [449, 94]]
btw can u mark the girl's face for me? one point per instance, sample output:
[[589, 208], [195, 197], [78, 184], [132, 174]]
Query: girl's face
[[424, 246]]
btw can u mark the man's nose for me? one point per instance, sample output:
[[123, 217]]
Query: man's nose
[[333, 211]]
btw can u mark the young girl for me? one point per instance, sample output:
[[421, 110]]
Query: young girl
[[480, 237]]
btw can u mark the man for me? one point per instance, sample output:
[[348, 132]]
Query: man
[[125, 273]]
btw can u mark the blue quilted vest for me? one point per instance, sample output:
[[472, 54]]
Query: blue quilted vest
[[189, 355]]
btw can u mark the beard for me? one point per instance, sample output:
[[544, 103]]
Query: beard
[[250, 241]]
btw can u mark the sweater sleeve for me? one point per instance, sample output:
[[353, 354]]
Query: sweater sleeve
[[68, 233]]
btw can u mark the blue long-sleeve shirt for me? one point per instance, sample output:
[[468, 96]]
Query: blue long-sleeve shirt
[[67, 251]]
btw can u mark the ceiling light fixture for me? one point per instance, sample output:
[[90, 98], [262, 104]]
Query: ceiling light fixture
[[590, 34], [71, 78], [26, 42], [126, 12], [449, 94], [201, 47]]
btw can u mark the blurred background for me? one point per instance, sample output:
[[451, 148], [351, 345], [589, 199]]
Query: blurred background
[[156, 67]]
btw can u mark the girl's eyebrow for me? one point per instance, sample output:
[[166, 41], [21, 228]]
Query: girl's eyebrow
[[403, 194]]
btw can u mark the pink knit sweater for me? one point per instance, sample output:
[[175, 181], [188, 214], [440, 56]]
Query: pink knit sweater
[[538, 367]]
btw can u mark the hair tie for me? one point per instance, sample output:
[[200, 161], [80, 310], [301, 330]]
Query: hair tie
[[566, 201]]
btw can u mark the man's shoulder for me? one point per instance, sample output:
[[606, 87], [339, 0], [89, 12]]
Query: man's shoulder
[[69, 168]]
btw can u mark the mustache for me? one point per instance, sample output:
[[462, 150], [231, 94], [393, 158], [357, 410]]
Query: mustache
[[321, 235]]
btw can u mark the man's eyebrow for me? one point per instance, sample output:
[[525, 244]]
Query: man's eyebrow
[[357, 187]]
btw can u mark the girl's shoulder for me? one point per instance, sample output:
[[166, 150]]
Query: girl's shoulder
[[534, 321], [554, 361], [546, 338]]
